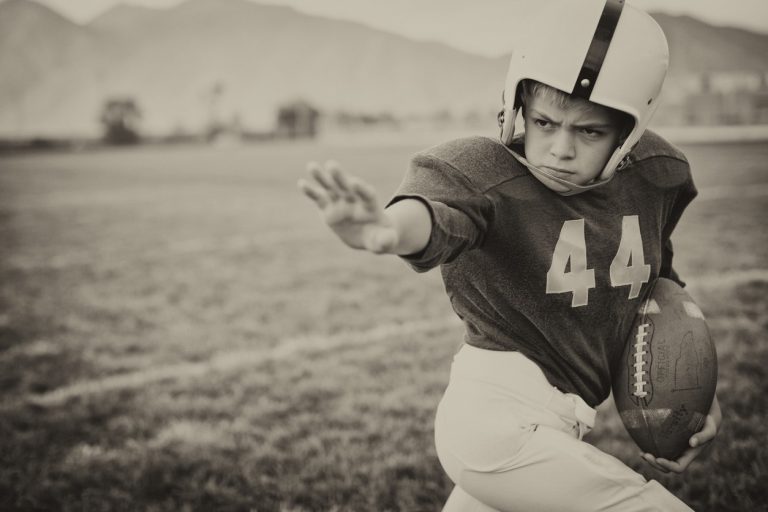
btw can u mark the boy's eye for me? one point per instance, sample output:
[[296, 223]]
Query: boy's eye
[[589, 132], [541, 123]]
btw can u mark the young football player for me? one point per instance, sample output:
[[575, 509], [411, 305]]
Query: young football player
[[546, 242]]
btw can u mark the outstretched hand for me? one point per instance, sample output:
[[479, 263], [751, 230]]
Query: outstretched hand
[[697, 443], [350, 208]]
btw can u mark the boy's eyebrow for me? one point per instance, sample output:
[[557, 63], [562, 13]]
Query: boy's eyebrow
[[593, 125], [539, 113], [542, 115], [588, 124]]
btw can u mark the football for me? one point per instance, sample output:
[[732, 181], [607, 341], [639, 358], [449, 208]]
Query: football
[[666, 379]]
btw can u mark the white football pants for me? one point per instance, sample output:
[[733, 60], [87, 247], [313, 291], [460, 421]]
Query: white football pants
[[510, 441]]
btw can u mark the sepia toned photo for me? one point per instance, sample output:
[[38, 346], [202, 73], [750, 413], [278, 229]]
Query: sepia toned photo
[[385, 256]]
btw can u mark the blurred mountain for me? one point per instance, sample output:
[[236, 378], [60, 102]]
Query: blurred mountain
[[696, 47], [227, 59], [44, 58], [224, 58], [122, 18]]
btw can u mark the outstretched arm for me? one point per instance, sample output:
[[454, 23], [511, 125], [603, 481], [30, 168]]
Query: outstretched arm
[[349, 207]]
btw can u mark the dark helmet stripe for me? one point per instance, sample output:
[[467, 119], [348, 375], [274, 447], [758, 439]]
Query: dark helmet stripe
[[597, 49]]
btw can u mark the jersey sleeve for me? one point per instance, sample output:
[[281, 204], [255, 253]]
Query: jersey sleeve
[[685, 194], [460, 213]]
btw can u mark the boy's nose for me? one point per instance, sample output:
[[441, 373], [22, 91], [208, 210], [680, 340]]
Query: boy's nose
[[563, 147]]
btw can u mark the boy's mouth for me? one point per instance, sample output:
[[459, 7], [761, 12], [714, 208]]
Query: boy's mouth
[[559, 170]]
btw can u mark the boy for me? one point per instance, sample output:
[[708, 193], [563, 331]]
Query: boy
[[546, 243]]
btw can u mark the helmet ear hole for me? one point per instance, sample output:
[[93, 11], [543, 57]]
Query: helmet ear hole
[[520, 95], [627, 124], [508, 114], [507, 124], [518, 100]]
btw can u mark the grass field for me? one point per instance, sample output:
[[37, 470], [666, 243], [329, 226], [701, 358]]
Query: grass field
[[179, 332]]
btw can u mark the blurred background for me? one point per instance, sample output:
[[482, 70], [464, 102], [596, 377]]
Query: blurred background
[[179, 331], [209, 71]]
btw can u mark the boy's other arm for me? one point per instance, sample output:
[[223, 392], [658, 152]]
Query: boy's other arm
[[351, 209], [698, 442]]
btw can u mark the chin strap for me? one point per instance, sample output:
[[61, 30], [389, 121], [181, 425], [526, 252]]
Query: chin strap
[[573, 188], [506, 120]]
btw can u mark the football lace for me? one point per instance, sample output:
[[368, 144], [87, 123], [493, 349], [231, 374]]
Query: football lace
[[639, 375]]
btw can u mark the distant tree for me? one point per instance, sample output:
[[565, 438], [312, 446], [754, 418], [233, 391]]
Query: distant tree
[[212, 96], [120, 118]]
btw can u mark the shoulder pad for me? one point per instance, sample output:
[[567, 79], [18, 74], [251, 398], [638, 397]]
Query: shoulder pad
[[482, 160], [652, 145], [659, 163]]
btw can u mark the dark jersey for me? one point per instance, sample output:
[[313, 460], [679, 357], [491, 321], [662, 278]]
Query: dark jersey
[[557, 278]]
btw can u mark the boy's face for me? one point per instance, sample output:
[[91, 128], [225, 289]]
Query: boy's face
[[573, 143]]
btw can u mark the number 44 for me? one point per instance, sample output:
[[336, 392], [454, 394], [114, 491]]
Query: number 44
[[627, 269]]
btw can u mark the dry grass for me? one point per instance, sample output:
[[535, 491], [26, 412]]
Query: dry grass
[[177, 332]]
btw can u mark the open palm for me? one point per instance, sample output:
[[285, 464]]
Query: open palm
[[349, 207]]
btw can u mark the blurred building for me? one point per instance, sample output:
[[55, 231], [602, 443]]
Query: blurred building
[[297, 119], [715, 98]]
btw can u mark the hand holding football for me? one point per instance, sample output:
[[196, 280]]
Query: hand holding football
[[666, 379]]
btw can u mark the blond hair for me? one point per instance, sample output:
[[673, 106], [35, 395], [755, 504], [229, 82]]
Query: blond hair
[[530, 89]]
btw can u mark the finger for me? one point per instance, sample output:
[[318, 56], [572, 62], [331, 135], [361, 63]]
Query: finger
[[675, 466], [331, 165], [312, 169], [323, 178], [367, 194], [682, 463], [312, 165], [382, 241], [651, 460], [706, 434], [316, 194], [341, 181]]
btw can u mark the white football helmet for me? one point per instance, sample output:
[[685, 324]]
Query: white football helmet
[[603, 51]]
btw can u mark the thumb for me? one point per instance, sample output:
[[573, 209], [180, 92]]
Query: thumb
[[706, 434], [381, 240]]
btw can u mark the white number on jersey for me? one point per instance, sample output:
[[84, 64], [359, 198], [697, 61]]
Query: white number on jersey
[[569, 272], [628, 267], [571, 248]]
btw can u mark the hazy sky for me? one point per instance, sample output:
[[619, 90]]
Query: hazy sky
[[482, 26]]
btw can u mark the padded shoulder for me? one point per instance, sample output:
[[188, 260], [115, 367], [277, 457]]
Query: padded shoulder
[[659, 163], [483, 161], [653, 145]]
